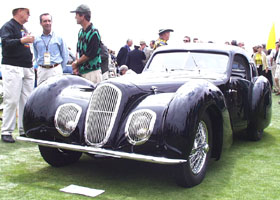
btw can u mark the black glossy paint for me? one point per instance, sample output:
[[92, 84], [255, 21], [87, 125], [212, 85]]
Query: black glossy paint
[[232, 104], [41, 106]]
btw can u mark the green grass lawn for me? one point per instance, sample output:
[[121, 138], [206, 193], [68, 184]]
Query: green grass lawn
[[248, 170]]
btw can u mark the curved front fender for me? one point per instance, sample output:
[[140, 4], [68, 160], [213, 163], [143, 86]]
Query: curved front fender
[[190, 102], [41, 106]]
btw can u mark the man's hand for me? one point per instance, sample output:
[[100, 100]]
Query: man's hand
[[75, 68], [27, 39]]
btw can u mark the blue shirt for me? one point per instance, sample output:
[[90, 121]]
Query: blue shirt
[[56, 47]]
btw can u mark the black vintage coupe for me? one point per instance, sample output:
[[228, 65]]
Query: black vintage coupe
[[182, 110]]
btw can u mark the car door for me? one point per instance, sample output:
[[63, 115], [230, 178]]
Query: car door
[[238, 93]]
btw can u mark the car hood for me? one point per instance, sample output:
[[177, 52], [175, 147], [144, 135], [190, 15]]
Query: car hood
[[164, 81]]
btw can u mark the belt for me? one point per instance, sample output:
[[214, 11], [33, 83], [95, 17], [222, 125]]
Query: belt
[[49, 66]]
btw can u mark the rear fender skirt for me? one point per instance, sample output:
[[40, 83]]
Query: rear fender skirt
[[261, 106]]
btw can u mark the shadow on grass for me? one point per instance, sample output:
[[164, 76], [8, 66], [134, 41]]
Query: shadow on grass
[[114, 175], [125, 178], [122, 177], [268, 139]]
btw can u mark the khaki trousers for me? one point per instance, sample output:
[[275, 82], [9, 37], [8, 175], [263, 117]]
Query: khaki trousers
[[43, 73], [94, 76], [18, 83]]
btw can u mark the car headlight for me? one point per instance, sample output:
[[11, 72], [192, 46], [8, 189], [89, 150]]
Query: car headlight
[[66, 118], [139, 126]]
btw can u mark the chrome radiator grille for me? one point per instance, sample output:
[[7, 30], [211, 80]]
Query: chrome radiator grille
[[101, 114], [139, 126], [66, 118]]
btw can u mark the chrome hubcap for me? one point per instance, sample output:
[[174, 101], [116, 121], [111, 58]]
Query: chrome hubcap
[[200, 148]]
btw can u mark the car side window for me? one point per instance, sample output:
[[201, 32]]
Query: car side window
[[240, 67]]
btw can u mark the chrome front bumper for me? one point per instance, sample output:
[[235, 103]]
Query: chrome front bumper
[[103, 152]]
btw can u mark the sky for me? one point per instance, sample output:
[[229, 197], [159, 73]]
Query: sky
[[247, 21]]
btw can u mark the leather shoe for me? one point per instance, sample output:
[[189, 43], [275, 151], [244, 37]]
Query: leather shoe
[[22, 135], [7, 138]]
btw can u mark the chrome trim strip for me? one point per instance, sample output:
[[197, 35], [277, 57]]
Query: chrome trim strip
[[103, 152]]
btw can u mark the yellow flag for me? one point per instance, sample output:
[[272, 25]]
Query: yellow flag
[[271, 39]]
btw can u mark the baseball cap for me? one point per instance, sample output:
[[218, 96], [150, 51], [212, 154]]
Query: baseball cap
[[81, 9], [165, 30], [143, 42]]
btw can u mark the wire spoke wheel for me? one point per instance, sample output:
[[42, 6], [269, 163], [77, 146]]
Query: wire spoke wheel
[[193, 171], [200, 148]]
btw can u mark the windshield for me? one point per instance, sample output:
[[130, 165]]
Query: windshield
[[192, 63]]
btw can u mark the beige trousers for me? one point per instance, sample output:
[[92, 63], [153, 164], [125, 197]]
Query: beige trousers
[[94, 76], [43, 73], [18, 83]]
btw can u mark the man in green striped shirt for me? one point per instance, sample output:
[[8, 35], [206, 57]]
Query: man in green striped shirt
[[88, 47]]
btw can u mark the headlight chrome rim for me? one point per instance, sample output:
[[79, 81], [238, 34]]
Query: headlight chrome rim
[[149, 128], [74, 123]]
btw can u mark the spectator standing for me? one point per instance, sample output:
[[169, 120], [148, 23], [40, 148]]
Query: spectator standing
[[122, 55], [268, 73], [273, 56], [88, 47], [195, 40], [152, 44], [135, 60], [147, 52], [254, 51], [277, 73], [260, 61], [241, 45], [234, 43], [164, 35], [264, 49], [104, 61], [17, 71], [187, 39], [112, 58], [50, 51]]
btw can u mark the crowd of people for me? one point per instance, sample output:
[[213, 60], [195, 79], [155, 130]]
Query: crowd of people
[[93, 60], [135, 60], [267, 61]]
